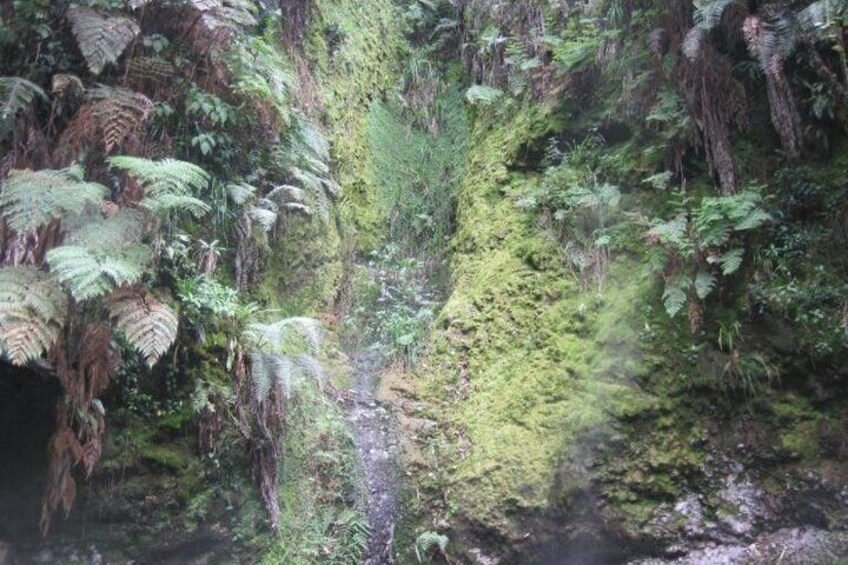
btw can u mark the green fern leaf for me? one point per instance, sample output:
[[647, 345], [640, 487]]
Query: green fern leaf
[[286, 337], [32, 313], [674, 296], [32, 199], [89, 273], [168, 184], [705, 283], [482, 94], [16, 95], [102, 39], [149, 324], [731, 261]]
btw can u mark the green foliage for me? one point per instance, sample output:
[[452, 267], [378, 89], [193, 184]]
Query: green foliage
[[32, 313], [33, 199], [90, 272], [169, 184], [17, 95], [703, 241], [482, 94], [283, 355], [416, 172], [430, 540], [102, 39], [149, 324]]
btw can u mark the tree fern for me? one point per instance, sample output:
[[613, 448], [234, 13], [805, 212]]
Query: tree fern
[[89, 273], [32, 199], [102, 39], [32, 313], [16, 95], [149, 324], [169, 184]]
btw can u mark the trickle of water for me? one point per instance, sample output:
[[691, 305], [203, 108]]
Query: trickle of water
[[374, 433]]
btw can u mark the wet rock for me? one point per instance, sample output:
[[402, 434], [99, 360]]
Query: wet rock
[[481, 558]]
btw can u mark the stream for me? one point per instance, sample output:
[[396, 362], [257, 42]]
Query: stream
[[394, 306], [377, 444]]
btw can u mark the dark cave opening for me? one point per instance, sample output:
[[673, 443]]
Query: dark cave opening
[[27, 420]]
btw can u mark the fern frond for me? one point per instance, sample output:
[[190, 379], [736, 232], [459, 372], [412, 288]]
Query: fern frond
[[731, 261], [705, 283], [127, 227], [32, 313], [168, 184], [32, 199], [482, 94], [230, 15], [149, 324], [709, 13], [282, 372], [89, 273], [102, 39], [265, 214], [241, 193], [16, 95], [286, 337], [674, 296], [119, 113]]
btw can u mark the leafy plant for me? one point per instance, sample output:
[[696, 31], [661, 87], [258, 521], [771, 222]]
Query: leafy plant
[[149, 324], [701, 243], [169, 184], [33, 309], [16, 96], [102, 39], [31, 199]]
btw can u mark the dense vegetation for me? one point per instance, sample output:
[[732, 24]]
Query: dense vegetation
[[600, 243]]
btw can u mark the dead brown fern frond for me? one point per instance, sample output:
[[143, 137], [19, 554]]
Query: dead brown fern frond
[[110, 119]]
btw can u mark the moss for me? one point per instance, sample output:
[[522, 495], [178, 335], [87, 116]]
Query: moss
[[166, 455], [360, 62], [527, 366]]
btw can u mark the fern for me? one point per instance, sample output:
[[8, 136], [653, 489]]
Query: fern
[[708, 14], [482, 94], [283, 355], [674, 295], [282, 372], [229, 15], [705, 283], [718, 218], [126, 227], [32, 199], [89, 273], [149, 324], [731, 261], [119, 113], [16, 95], [287, 336], [32, 313], [428, 540], [102, 39], [168, 184]]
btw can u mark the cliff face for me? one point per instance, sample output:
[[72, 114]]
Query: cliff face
[[595, 249]]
